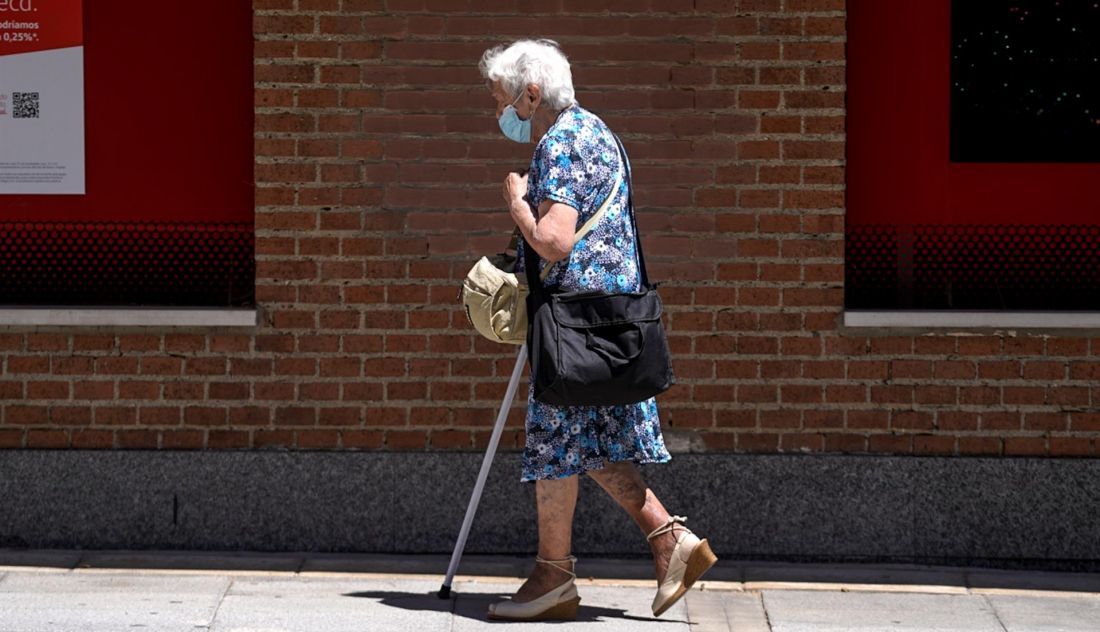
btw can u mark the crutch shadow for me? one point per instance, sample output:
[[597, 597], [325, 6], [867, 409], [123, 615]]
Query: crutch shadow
[[476, 605]]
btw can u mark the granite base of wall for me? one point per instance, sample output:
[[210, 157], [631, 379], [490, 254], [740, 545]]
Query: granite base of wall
[[1006, 512]]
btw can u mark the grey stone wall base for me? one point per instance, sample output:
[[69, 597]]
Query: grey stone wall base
[[1006, 512]]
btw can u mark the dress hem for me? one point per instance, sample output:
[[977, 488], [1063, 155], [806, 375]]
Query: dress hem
[[647, 460]]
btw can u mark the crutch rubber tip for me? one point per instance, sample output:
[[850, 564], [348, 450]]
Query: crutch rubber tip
[[445, 592]]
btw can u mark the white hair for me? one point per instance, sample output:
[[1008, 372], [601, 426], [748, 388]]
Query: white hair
[[540, 62]]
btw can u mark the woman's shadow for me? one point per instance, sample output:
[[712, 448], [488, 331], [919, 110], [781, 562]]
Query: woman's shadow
[[475, 605]]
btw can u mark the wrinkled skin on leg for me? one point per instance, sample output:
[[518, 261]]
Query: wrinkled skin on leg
[[556, 501], [623, 482]]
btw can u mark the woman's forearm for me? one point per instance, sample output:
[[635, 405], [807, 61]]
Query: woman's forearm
[[546, 245]]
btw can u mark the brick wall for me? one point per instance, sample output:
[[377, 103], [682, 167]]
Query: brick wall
[[378, 166]]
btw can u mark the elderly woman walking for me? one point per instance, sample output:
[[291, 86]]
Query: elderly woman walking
[[573, 170]]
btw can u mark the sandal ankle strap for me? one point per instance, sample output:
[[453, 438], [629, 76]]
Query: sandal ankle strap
[[672, 523], [555, 563]]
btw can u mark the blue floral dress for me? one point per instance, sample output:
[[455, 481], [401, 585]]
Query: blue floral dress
[[575, 163]]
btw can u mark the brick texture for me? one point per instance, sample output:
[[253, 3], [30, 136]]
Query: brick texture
[[378, 166]]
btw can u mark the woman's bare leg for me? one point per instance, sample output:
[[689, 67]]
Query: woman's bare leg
[[557, 499], [623, 482]]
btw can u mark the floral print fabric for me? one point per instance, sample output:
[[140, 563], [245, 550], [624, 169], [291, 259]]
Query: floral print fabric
[[576, 163]]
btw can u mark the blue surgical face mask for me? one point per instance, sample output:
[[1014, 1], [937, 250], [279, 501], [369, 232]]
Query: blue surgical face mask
[[513, 126]]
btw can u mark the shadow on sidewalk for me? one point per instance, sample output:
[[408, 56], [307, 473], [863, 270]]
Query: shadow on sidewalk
[[476, 605]]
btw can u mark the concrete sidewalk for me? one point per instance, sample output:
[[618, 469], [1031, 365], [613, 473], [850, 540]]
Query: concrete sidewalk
[[316, 592]]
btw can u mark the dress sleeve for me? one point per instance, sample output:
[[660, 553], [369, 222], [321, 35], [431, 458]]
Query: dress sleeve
[[564, 174]]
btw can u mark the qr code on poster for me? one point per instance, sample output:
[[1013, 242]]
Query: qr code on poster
[[24, 105]]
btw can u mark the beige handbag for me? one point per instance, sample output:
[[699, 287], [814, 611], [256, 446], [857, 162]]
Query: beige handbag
[[496, 299]]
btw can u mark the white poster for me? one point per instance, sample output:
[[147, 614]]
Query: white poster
[[41, 97]]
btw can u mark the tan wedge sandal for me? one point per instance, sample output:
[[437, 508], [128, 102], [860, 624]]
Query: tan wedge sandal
[[690, 559], [560, 604]]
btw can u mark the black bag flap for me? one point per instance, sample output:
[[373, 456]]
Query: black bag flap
[[596, 309]]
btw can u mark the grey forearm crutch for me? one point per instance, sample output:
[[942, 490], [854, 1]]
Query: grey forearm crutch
[[486, 463]]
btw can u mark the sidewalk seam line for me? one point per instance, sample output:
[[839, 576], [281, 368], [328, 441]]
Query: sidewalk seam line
[[993, 611], [764, 609], [221, 599]]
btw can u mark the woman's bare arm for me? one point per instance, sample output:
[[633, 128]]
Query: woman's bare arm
[[553, 232]]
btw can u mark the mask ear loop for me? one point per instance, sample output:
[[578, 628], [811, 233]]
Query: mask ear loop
[[513, 104]]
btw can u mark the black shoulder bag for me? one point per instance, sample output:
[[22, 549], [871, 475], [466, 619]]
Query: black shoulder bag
[[593, 348]]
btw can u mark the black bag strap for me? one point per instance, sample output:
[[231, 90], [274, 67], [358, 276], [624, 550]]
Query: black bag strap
[[630, 207], [530, 265], [531, 258]]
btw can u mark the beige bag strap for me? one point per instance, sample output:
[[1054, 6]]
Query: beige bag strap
[[584, 230]]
